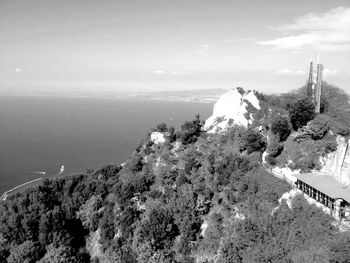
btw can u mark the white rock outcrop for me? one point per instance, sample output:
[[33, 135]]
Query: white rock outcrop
[[337, 163], [232, 108], [158, 137]]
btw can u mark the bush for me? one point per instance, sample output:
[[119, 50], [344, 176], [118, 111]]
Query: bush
[[270, 160]]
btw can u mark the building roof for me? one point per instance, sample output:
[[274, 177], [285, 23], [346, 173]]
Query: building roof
[[326, 184]]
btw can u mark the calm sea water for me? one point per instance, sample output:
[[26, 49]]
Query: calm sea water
[[43, 133]]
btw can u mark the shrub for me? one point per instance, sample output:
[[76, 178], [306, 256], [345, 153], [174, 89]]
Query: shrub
[[270, 160]]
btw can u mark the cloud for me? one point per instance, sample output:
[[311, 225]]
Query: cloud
[[18, 70], [284, 72], [300, 72], [179, 72], [175, 72], [290, 72], [241, 39], [329, 72], [329, 31], [159, 72], [203, 49]]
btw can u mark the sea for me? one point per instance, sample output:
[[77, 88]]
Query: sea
[[40, 134]]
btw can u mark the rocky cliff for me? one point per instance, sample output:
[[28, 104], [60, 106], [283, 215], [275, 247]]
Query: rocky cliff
[[237, 106], [337, 163]]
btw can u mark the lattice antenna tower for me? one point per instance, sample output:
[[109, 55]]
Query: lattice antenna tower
[[318, 90], [314, 84], [311, 82]]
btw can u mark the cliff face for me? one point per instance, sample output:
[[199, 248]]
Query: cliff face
[[234, 107], [337, 163]]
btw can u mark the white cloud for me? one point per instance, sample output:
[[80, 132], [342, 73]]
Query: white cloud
[[290, 72], [179, 72], [203, 49], [159, 72], [300, 72], [329, 31], [241, 39], [329, 72], [18, 70], [284, 72]]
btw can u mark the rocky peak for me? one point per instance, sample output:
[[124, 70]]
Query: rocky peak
[[158, 137], [235, 107]]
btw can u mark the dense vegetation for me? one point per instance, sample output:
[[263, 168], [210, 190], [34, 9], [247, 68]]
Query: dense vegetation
[[194, 198], [298, 137]]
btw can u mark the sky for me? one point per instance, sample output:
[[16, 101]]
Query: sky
[[131, 45]]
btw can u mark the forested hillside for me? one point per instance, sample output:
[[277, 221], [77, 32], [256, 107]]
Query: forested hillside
[[298, 137], [193, 197]]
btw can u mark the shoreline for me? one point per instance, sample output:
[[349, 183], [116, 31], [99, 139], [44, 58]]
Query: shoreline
[[5, 194]]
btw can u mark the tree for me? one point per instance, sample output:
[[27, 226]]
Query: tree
[[281, 126], [62, 254], [3, 248], [135, 163], [23, 253], [275, 147], [159, 229], [301, 113], [340, 249], [161, 127], [190, 131], [252, 141], [172, 135], [316, 128], [335, 103]]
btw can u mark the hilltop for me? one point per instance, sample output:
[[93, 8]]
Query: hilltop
[[189, 195]]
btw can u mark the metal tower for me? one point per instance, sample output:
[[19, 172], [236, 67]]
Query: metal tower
[[318, 90], [314, 85], [311, 82]]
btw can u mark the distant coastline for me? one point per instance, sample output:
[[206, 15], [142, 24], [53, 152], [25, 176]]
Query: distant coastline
[[199, 96]]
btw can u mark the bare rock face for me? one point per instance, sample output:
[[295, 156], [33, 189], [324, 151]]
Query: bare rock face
[[337, 163], [235, 107], [158, 138]]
